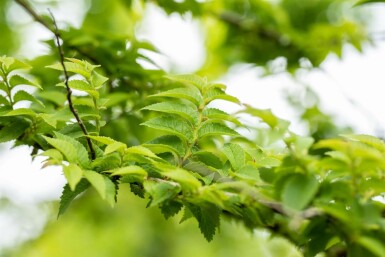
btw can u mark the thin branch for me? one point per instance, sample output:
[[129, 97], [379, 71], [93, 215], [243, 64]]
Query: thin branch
[[69, 91], [36, 16]]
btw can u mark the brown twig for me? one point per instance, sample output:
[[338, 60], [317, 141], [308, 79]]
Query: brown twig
[[69, 91]]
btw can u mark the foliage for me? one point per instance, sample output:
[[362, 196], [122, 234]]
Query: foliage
[[112, 122]]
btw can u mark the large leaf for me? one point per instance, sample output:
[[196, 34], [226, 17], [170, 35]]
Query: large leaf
[[172, 125], [299, 190], [103, 185], [172, 107], [192, 94], [215, 129]]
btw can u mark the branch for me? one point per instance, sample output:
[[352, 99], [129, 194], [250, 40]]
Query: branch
[[69, 91]]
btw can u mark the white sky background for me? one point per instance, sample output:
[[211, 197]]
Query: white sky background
[[358, 77]]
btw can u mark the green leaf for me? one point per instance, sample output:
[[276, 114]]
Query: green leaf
[[208, 217], [132, 170], [191, 94], [9, 64], [172, 125], [103, 185], [68, 195], [266, 116], [216, 114], [249, 172], [218, 94], [235, 154], [362, 2], [66, 148], [167, 143], [188, 182], [73, 174], [374, 245], [369, 140], [21, 111], [141, 150], [81, 152], [170, 208], [55, 97], [81, 85], [184, 110], [299, 190], [22, 95], [190, 79], [72, 67], [17, 79], [97, 80], [12, 131], [160, 192], [215, 129], [3, 100], [209, 159], [103, 140], [117, 146]]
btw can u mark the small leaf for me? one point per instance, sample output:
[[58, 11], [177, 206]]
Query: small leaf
[[170, 208], [160, 192], [116, 146], [72, 67], [81, 85], [17, 79], [219, 94], [167, 143], [128, 170], [191, 94], [68, 195], [9, 64], [191, 79], [97, 80], [103, 185], [22, 95], [21, 111], [216, 114], [299, 190], [172, 125], [216, 129], [235, 154], [183, 177], [103, 140], [73, 174], [183, 110], [369, 140]]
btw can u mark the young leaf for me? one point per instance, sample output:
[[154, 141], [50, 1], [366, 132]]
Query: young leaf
[[191, 94], [218, 94], [103, 185], [216, 114], [73, 174], [235, 154], [116, 146], [72, 67], [128, 170], [215, 129], [102, 139], [191, 79], [299, 190], [182, 109], [183, 177], [172, 125], [167, 143], [160, 192], [10, 64], [21, 111], [68, 195], [81, 85], [97, 80]]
